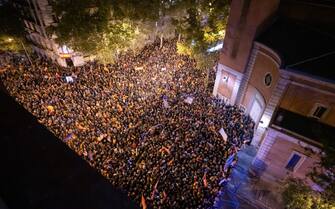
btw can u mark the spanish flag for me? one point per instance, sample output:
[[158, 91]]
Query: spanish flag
[[50, 109], [119, 108], [164, 196], [80, 127], [154, 190], [204, 179], [143, 203], [165, 149]]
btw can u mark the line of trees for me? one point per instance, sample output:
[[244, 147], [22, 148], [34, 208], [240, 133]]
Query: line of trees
[[107, 27], [11, 28]]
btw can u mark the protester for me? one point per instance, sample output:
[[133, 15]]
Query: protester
[[145, 122]]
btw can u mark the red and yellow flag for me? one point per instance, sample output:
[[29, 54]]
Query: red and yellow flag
[[143, 202]]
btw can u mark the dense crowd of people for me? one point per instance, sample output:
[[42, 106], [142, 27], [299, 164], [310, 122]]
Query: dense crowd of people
[[145, 122]]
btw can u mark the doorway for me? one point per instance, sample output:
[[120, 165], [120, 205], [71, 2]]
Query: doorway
[[257, 108], [69, 62]]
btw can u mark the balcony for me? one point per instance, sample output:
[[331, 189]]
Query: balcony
[[302, 127]]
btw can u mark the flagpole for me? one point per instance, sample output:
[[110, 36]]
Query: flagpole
[[25, 50]]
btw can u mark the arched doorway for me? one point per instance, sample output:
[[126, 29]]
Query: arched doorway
[[256, 107]]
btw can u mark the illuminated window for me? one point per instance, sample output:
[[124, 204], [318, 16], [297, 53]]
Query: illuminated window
[[268, 79]]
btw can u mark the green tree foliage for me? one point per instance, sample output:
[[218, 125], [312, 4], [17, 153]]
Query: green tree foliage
[[82, 23], [93, 27], [105, 27], [204, 24], [11, 28], [202, 27], [137, 10], [118, 37], [299, 196]]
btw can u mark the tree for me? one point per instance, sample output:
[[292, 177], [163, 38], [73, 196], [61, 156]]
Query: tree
[[299, 196], [117, 38], [82, 23], [11, 28], [202, 28], [103, 28], [204, 60], [92, 26]]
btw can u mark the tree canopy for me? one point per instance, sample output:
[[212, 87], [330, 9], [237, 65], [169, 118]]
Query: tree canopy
[[11, 28], [106, 27], [299, 196]]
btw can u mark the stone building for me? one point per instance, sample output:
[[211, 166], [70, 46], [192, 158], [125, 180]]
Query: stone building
[[37, 16], [277, 64]]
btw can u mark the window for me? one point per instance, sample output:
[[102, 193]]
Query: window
[[294, 162], [319, 111], [225, 78], [268, 79]]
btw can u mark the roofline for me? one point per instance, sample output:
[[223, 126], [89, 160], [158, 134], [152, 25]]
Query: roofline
[[277, 58], [271, 53], [318, 4], [310, 77]]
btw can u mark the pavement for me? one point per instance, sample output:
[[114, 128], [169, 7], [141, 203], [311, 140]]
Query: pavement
[[253, 192]]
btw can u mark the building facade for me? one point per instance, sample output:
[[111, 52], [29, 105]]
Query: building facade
[[37, 16], [277, 66]]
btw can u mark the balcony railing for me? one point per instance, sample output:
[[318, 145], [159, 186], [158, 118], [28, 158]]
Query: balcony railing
[[306, 128]]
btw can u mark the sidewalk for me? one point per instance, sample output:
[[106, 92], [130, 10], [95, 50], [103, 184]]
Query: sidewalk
[[257, 192]]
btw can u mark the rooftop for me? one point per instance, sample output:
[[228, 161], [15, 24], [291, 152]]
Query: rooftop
[[303, 49]]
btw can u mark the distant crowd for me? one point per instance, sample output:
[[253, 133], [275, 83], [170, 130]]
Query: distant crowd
[[145, 122]]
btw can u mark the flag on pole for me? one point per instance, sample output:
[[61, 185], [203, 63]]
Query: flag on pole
[[50, 109], [204, 179], [154, 191], [165, 149], [195, 183], [90, 155], [170, 162], [69, 137], [143, 202], [119, 108], [80, 127], [164, 196]]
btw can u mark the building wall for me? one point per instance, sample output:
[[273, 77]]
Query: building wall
[[262, 66], [245, 19], [301, 100], [226, 84], [249, 95], [279, 155], [38, 16]]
